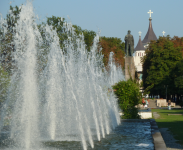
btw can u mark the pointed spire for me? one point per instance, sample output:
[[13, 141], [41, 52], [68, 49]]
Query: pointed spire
[[150, 33], [139, 45]]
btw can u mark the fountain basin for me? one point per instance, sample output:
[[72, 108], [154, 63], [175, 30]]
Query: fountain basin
[[130, 134]]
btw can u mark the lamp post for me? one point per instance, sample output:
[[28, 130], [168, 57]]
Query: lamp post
[[166, 86]]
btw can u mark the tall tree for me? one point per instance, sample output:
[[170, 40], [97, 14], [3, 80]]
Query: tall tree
[[115, 45], [178, 42], [89, 37], [57, 24], [178, 74], [161, 58]]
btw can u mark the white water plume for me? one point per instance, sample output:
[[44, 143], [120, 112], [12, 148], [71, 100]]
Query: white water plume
[[60, 95]]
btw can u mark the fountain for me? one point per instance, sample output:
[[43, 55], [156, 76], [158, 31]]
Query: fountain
[[61, 98], [57, 94]]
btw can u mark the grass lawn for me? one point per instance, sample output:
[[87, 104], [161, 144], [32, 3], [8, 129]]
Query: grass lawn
[[172, 122]]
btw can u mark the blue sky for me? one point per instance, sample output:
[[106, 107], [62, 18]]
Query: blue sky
[[112, 17]]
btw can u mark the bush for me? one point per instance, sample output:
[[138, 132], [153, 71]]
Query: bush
[[128, 96]]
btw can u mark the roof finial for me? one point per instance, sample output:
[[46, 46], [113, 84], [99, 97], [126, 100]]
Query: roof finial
[[163, 33], [150, 12], [139, 33]]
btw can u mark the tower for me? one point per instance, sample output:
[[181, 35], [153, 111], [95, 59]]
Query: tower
[[150, 35], [139, 52]]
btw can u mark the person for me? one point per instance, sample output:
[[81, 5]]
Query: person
[[143, 102], [169, 104], [146, 104]]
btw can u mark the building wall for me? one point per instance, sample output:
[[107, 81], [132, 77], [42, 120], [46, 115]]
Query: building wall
[[137, 59]]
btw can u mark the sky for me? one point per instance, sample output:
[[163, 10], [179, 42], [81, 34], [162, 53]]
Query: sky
[[113, 18]]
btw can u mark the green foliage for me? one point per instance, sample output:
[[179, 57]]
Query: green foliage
[[89, 37], [6, 44], [57, 24], [78, 29], [158, 64], [128, 96], [4, 82], [13, 16], [178, 73]]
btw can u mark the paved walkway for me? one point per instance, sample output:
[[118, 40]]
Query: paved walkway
[[152, 103], [156, 115]]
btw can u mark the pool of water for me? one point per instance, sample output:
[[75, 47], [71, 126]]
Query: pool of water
[[128, 135]]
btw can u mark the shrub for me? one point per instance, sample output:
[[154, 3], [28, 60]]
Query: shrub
[[128, 96]]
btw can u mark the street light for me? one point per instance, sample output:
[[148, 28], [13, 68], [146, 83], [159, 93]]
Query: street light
[[166, 90]]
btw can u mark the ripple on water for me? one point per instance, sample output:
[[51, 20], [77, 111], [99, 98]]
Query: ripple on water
[[128, 135]]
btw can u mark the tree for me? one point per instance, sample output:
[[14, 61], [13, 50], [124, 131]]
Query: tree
[[178, 42], [13, 16], [115, 45], [89, 37], [6, 38], [161, 58], [4, 83], [57, 24], [178, 73], [78, 29]]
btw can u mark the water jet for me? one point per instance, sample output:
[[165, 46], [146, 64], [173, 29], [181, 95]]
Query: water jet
[[60, 95]]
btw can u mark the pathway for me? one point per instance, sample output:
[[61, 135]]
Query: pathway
[[152, 103], [156, 115]]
